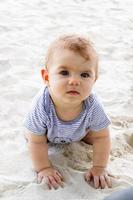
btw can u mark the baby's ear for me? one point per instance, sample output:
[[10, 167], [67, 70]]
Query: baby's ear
[[44, 74]]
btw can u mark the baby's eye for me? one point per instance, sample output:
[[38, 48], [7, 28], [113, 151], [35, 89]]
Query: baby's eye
[[64, 73], [85, 75]]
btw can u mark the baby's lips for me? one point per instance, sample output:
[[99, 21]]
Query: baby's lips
[[73, 92]]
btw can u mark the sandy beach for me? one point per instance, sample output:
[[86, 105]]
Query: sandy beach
[[26, 30]]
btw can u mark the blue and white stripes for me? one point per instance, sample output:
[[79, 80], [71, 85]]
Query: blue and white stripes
[[42, 119]]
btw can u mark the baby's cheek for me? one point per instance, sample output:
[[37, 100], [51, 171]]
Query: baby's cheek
[[87, 91]]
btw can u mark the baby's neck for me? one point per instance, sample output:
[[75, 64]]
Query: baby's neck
[[69, 113]]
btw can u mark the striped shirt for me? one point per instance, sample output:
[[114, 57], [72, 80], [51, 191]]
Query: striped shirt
[[42, 119]]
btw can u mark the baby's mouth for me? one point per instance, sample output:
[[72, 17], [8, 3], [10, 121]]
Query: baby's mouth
[[73, 92]]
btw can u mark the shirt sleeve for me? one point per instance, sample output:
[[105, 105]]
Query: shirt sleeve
[[99, 119], [35, 120]]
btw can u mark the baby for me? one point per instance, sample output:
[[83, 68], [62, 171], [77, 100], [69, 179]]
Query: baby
[[67, 110]]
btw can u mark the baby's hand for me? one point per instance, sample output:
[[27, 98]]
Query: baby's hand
[[53, 178], [98, 177]]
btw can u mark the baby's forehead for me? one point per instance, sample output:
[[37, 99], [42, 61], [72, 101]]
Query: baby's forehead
[[87, 53], [66, 54], [70, 60], [70, 55]]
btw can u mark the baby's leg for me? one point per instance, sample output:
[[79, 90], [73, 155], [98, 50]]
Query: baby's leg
[[92, 136], [88, 138], [125, 194]]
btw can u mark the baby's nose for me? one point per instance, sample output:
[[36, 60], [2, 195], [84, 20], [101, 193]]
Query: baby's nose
[[74, 81]]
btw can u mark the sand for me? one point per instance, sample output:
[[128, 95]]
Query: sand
[[26, 29]]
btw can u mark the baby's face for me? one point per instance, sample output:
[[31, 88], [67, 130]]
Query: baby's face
[[71, 77]]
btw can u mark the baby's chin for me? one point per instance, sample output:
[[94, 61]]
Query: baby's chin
[[73, 99]]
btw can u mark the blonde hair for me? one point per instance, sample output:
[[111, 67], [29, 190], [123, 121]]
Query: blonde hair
[[77, 44]]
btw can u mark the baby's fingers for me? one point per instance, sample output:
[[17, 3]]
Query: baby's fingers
[[59, 180], [45, 180], [61, 177], [108, 181], [87, 176], [103, 182], [39, 179], [96, 182], [111, 175], [53, 182]]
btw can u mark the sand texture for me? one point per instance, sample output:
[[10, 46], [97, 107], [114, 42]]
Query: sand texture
[[26, 30]]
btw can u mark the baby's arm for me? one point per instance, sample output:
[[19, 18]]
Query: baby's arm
[[101, 149], [38, 149]]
